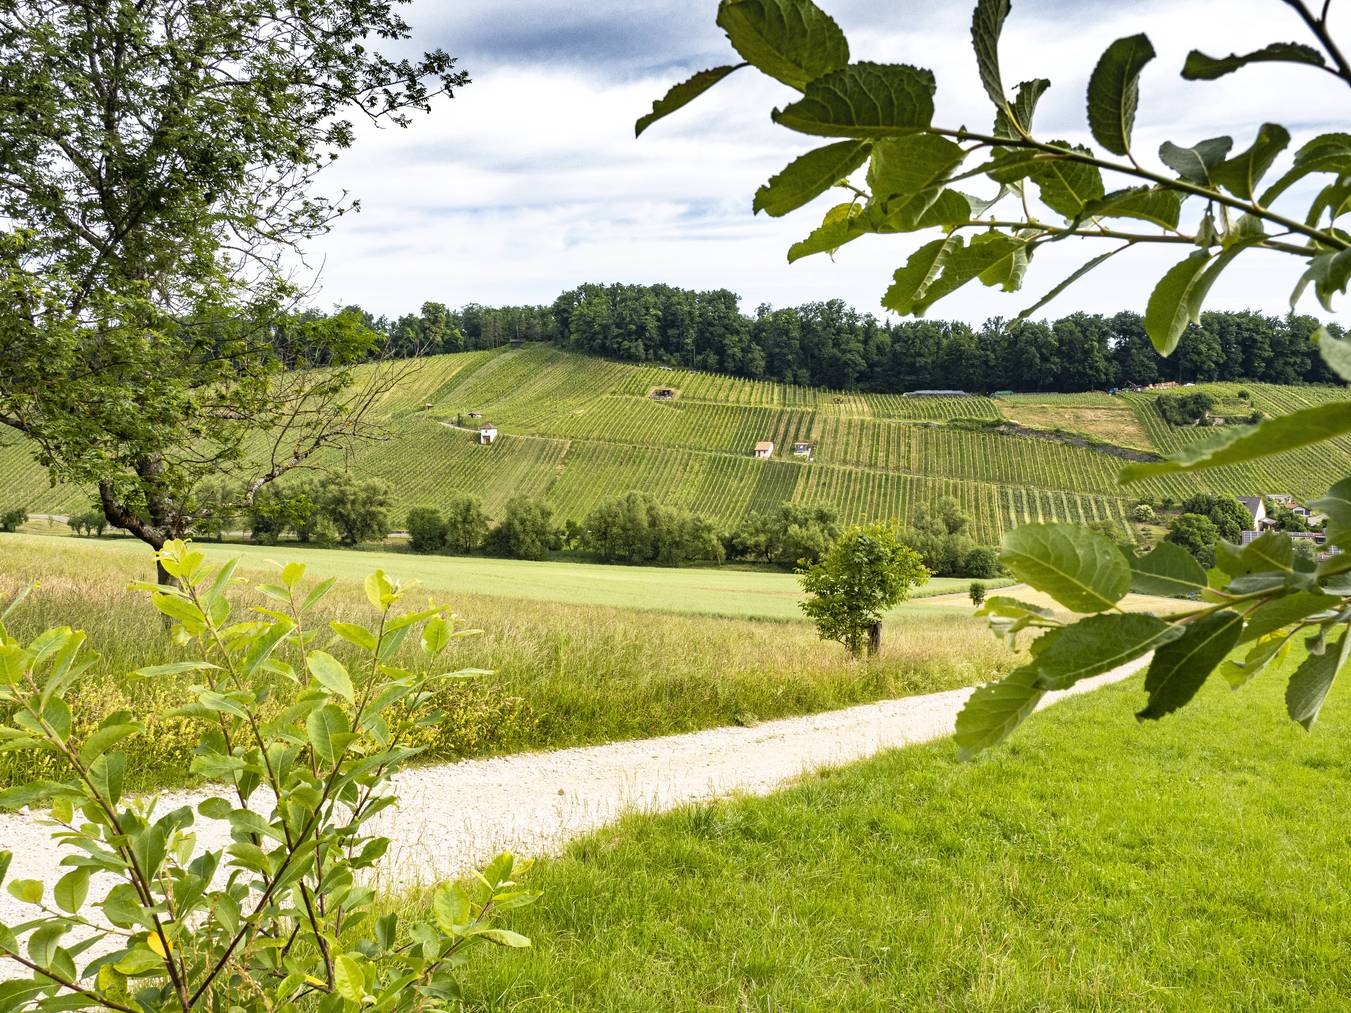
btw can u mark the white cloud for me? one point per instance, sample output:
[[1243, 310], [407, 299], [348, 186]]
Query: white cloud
[[530, 181]]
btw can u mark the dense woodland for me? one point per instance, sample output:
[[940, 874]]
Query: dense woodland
[[828, 344]]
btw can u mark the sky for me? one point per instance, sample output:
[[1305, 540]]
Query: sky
[[530, 181]]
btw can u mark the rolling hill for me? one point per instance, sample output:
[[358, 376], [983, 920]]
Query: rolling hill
[[576, 429]]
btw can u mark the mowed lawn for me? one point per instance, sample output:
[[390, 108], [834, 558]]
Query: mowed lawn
[[698, 591], [1201, 863]]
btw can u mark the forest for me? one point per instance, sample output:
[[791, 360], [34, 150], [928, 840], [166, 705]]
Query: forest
[[829, 344]]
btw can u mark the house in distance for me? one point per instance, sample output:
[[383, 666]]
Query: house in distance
[[764, 450], [487, 433], [803, 448]]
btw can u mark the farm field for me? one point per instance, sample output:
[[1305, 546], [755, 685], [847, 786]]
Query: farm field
[[1199, 863], [576, 430]]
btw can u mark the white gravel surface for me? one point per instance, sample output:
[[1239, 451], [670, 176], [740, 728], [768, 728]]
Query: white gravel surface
[[456, 816]]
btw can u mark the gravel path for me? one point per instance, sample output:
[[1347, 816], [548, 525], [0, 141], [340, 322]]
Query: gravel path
[[456, 816]]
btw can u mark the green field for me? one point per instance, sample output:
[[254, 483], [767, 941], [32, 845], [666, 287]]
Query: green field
[[576, 430], [1091, 863]]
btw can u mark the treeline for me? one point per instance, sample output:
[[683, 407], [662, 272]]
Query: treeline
[[828, 344]]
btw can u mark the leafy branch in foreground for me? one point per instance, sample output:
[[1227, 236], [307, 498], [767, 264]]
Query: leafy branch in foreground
[[303, 747], [901, 172]]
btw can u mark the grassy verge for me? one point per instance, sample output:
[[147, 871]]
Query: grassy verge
[[1092, 864], [564, 674]]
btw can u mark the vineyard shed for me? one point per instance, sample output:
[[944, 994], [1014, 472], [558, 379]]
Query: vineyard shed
[[764, 450], [803, 448], [487, 433]]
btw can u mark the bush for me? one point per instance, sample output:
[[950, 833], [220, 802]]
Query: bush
[[1184, 409], [635, 528], [426, 530], [526, 530], [90, 522], [1227, 514], [982, 562], [1197, 534], [785, 536], [359, 510], [977, 593], [278, 509], [11, 519], [466, 523], [1143, 513], [302, 769]]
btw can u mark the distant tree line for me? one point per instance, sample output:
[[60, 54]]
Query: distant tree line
[[828, 344]]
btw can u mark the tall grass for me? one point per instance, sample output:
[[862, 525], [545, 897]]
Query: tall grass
[[562, 674]]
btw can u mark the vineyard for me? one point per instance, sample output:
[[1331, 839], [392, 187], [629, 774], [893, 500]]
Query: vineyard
[[575, 430]]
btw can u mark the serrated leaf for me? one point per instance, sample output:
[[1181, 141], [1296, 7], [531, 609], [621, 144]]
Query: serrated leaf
[[683, 94], [1273, 615], [1329, 273], [1022, 110], [996, 709], [1167, 570], [1337, 505], [1241, 174], [863, 100], [1194, 164], [1308, 687], [793, 41], [1170, 306], [1080, 569], [1114, 92], [1146, 203], [906, 174], [808, 176], [910, 282], [1067, 186], [1094, 645], [987, 22], [1325, 153], [1249, 443], [1200, 67], [830, 235], [1180, 667]]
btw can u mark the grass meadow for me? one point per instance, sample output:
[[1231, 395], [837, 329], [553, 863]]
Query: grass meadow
[[564, 673], [1091, 863]]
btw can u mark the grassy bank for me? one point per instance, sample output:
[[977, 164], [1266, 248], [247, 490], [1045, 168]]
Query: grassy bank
[[564, 674], [1092, 864]]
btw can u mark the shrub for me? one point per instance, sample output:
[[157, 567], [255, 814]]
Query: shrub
[[785, 536], [11, 519], [359, 510], [635, 528], [89, 522], [982, 562], [1184, 409], [466, 523], [526, 530], [1143, 513], [279, 919], [1197, 534], [977, 593], [426, 530], [1227, 514]]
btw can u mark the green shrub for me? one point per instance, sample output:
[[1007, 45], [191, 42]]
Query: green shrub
[[279, 919], [11, 519], [977, 593], [466, 523], [90, 522], [426, 530], [526, 530], [359, 510]]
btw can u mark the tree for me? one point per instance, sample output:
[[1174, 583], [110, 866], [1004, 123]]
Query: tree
[[215, 508], [12, 518], [426, 530], [466, 523], [525, 531], [865, 573], [89, 523], [157, 187], [359, 509], [1143, 513], [1228, 515], [1048, 191], [1197, 534], [981, 562], [977, 593]]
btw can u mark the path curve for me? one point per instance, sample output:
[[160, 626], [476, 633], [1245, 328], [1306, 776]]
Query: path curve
[[454, 817]]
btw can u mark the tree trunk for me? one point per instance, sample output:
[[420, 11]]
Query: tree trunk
[[874, 639]]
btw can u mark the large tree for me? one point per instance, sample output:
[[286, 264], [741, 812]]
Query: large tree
[[158, 161]]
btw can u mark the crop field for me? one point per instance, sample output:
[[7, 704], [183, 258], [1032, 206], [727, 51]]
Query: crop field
[[575, 430]]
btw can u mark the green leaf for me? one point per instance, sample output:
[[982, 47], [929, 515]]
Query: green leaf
[[910, 282], [1024, 108], [348, 979], [1094, 645], [1177, 299], [1114, 92], [450, 906], [1281, 612], [1195, 163], [103, 739], [1248, 443], [26, 891], [682, 94], [1337, 505], [833, 232], [106, 775], [1308, 687], [1325, 153], [996, 709], [72, 889], [1180, 667], [328, 732], [504, 937], [809, 176], [987, 22], [1241, 174], [1271, 550], [174, 668], [5, 858], [906, 174], [1079, 568], [1263, 653], [1167, 570], [354, 634], [863, 100], [330, 673], [1200, 67], [1066, 186], [1330, 273], [792, 41], [940, 268], [1146, 203], [379, 590]]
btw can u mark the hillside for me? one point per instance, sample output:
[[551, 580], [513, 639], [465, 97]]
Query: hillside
[[576, 429]]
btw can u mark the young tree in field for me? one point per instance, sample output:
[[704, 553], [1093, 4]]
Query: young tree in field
[[1212, 200], [977, 593], [866, 572], [157, 176], [358, 509], [467, 523]]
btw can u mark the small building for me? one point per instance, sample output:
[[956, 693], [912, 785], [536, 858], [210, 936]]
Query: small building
[[428, 406], [663, 394], [764, 450], [476, 415], [487, 433], [1257, 510], [803, 448]]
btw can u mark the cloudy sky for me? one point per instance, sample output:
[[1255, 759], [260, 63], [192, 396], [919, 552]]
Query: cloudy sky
[[530, 181]]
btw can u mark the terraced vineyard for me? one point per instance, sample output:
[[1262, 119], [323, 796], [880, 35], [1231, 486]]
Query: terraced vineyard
[[575, 430]]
